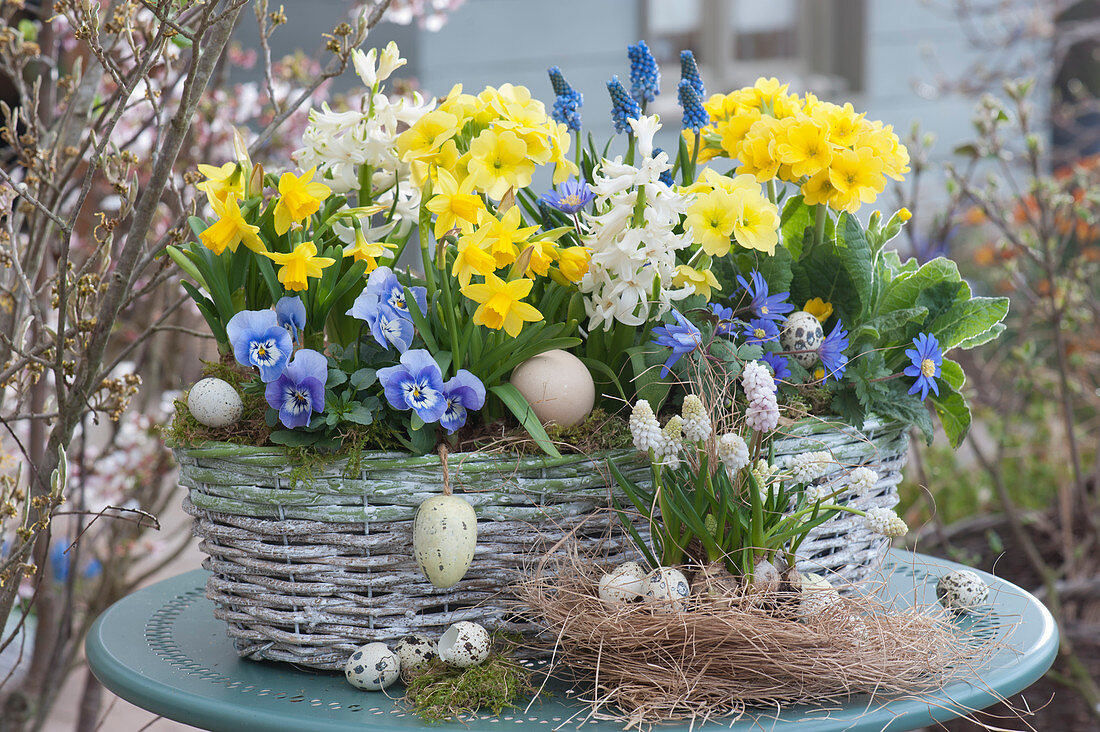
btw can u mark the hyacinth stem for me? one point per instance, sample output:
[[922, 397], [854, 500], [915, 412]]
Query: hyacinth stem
[[821, 215], [630, 149], [695, 151]]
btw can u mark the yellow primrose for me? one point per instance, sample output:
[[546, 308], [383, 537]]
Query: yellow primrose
[[499, 304], [221, 182], [818, 189], [299, 198], [498, 161], [856, 176], [701, 280], [368, 251], [755, 150], [462, 106], [757, 224], [504, 236], [472, 259], [454, 204], [904, 214], [806, 148], [843, 123], [427, 135], [573, 262], [230, 229], [712, 218], [299, 265], [819, 309]]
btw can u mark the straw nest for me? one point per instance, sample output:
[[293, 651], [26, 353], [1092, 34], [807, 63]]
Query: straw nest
[[723, 654]]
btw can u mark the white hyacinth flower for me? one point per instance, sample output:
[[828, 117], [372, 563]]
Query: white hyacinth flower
[[373, 67], [862, 480], [644, 428], [762, 414], [733, 452], [885, 522], [697, 427]]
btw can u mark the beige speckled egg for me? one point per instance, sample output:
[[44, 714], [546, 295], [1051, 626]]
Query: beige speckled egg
[[444, 539], [415, 650], [962, 591], [624, 584], [464, 644], [558, 387], [666, 589], [372, 667], [802, 332], [214, 403]]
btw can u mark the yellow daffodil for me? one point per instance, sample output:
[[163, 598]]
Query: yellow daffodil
[[299, 265], [819, 309], [542, 256], [806, 148], [702, 281], [499, 304], [221, 182], [856, 177], [573, 262], [712, 218], [757, 224], [498, 161], [299, 198], [230, 229], [454, 204], [472, 259], [503, 237], [368, 251]]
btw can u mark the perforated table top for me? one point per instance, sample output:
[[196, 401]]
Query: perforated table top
[[162, 649]]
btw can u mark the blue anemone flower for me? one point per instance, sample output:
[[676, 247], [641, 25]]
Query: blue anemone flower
[[291, 314], [623, 107], [780, 369], [462, 393], [831, 351], [417, 384], [725, 319], [689, 72], [645, 77], [695, 116], [681, 338], [568, 103], [571, 196], [760, 330], [300, 389], [258, 340], [769, 307], [382, 305], [927, 359]]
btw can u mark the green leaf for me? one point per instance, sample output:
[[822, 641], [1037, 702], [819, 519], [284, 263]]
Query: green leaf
[[954, 413], [776, 270], [981, 338], [968, 320], [796, 218], [888, 323], [905, 290], [294, 438], [363, 378], [907, 409], [517, 405], [952, 373], [602, 368], [359, 415], [648, 384], [856, 257]]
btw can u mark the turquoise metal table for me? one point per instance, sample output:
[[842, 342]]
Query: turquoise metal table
[[161, 649]]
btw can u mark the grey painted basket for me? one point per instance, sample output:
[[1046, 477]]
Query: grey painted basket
[[843, 548], [305, 571]]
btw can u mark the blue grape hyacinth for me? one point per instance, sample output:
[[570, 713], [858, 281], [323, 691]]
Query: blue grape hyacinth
[[645, 77], [623, 107]]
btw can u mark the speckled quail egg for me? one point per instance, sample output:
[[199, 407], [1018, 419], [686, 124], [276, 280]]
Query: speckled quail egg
[[214, 403], [962, 591], [415, 650], [666, 589], [372, 667], [817, 594], [802, 332], [464, 644], [624, 584]]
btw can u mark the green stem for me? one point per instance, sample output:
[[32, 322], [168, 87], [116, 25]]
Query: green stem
[[695, 151], [771, 190], [821, 215], [457, 356]]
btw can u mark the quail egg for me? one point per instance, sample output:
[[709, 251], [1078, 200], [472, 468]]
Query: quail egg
[[624, 584], [214, 403], [666, 589], [415, 650], [962, 591], [464, 644], [372, 667], [802, 332]]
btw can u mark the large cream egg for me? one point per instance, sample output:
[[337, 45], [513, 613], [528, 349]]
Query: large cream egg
[[214, 403], [444, 539], [558, 387]]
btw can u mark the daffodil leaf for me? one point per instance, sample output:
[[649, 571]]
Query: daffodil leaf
[[518, 406]]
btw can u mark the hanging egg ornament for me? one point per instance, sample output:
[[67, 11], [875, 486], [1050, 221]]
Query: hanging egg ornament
[[962, 591], [214, 403], [802, 332], [372, 667], [444, 539], [558, 386], [464, 644]]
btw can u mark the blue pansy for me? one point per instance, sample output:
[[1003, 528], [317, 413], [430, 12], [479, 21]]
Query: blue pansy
[[417, 384], [571, 196], [927, 359], [462, 393], [831, 351], [695, 116], [763, 305], [780, 369], [382, 305], [568, 101], [258, 340], [291, 314], [300, 389], [623, 107], [645, 77], [760, 330], [682, 338]]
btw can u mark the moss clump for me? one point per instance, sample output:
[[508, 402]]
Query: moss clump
[[250, 429], [439, 693]]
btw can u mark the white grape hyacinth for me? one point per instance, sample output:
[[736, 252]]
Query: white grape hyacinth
[[810, 466], [733, 452], [884, 521], [672, 438], [644, 428], [697, 427], [862, 480], [763, 412], [815, 493]]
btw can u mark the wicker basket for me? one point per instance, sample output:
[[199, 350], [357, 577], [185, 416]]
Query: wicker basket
[[843, 548], [307, 569]]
